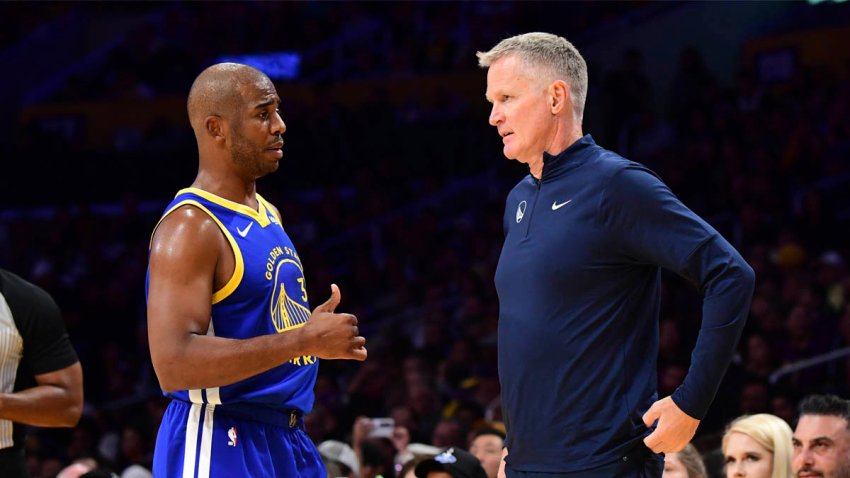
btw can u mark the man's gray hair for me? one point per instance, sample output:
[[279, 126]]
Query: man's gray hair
[[545, 53]]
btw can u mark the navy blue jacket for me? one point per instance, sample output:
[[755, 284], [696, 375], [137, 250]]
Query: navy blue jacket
[[578, 285]]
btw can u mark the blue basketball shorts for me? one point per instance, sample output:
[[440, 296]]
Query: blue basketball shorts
[[220, 441]]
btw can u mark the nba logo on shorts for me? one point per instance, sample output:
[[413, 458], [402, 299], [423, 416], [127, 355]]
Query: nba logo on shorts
[[232, 435]]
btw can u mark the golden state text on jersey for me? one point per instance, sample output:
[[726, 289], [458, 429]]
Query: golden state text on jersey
[[267, 294]]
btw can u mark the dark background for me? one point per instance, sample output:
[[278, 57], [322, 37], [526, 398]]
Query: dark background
[[393, 184]]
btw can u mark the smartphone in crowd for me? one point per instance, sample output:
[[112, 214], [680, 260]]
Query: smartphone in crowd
[[382, 427]]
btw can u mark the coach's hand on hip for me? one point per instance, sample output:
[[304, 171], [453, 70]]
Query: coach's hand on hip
[[674, 430], [330, 335]]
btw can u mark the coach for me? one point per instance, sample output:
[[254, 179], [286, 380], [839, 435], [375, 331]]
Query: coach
[[578, 283]]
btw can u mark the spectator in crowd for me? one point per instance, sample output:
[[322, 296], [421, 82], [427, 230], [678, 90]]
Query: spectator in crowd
[[341, 458], [487, 447], [451, 463], [758, 446], [822, 438], [684, 464]]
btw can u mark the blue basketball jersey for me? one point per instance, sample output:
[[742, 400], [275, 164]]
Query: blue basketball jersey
[[266, 295]]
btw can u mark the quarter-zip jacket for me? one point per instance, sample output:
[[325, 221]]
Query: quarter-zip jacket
[[578, 285]]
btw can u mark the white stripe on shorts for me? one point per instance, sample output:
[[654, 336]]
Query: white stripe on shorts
[[195, 396], [206, 443], [189, 451], [213, 396]]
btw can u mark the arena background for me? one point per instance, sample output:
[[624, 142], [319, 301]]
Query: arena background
[[392, 185]]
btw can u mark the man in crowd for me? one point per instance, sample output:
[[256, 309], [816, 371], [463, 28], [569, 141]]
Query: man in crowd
[[822, 438]]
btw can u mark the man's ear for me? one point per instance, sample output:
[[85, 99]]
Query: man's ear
[[559, 97], [216, 127]]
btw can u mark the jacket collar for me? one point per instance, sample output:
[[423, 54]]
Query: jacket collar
[[574, 156]]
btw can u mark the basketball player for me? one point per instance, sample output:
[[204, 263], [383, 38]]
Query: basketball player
[[578, 283], [232, 338], [41, 380]]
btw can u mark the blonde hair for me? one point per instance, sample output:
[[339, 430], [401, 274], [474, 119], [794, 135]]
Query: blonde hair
[[547, 52], [770, 432]]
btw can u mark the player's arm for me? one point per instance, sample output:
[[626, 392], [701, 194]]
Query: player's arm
[[56, 400], [186, 251]]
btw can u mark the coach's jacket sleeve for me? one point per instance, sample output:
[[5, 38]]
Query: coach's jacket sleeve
[[651, 226]]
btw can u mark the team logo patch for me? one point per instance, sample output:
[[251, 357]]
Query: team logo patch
[[288, 298], [520, 211]]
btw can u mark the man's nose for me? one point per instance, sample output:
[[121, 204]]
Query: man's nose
[[496, 116], [278, 126], [801, 459]]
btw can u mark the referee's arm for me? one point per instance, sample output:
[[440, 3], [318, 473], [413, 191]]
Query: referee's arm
[[56, 400]]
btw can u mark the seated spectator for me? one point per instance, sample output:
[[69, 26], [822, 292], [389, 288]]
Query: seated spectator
[[451, 463], [822, 437], [408, 470], [341, 457], [487, 447], [758, 446], [684, 464]]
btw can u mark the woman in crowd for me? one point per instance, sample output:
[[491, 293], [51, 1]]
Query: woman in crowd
[[684, 464], [758, 446]]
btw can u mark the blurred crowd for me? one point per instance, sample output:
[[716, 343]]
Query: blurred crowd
[[400, 203]]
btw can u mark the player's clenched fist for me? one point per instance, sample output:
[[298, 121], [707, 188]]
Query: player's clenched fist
[[330, 335]]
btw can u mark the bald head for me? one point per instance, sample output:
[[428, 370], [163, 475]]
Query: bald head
[[217, 91]]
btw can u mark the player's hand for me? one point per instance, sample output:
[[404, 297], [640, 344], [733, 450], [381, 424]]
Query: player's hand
[[501, 473], [330, 335], [674, 430]]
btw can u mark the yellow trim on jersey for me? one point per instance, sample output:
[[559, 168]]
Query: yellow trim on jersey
[[260, 216], [269, 207], [239, 267]]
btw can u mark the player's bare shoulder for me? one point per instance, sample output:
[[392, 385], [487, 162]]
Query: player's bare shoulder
[[188, 234]]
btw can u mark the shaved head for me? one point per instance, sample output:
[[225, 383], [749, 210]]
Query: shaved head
[[217, 91]]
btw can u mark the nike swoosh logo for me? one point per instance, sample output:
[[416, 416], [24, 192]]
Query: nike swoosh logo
[[244, 232], [556, 206]]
